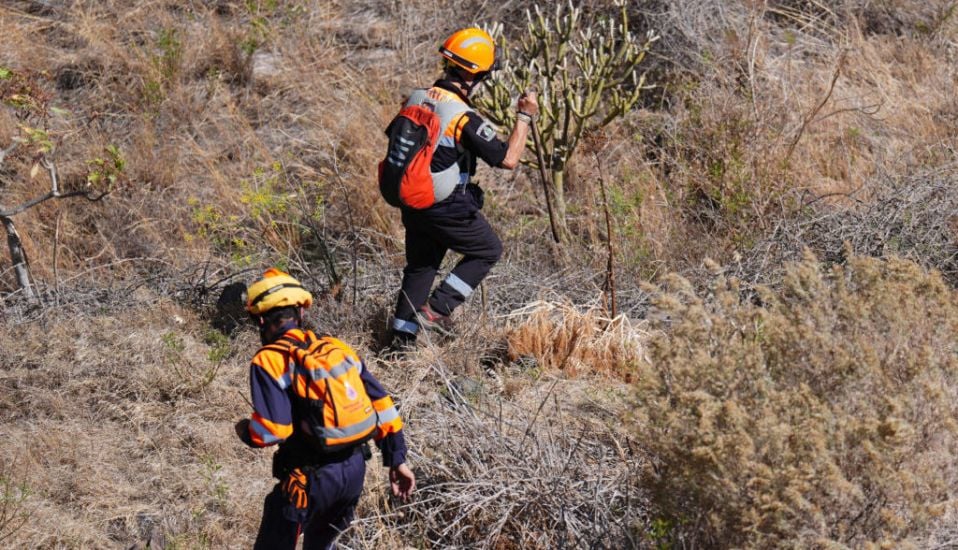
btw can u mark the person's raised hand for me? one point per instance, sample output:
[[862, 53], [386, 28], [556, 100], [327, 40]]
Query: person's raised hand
[[528, 103]]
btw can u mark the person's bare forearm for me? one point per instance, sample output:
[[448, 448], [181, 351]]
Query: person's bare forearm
[[527, 108], [517, 144]]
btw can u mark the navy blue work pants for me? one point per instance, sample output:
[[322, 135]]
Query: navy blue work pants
[[333, 490], [428, 237]]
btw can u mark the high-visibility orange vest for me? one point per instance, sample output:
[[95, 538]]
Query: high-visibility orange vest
[[330, 400]]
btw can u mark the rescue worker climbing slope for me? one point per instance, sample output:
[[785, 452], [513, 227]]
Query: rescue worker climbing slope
[[454, 222], [295, 380]]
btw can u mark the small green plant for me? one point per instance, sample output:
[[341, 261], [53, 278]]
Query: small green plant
[[219, 344], [272, 217], [107, 170], [171, 53], [212, 473], [586, 71], [190, 377], [13, 498], [173, 343], [22, 91], [259, 31], [37, 140], [659, 532], [166, 61]]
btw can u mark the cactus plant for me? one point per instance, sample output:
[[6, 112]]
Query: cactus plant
[[586, 72]]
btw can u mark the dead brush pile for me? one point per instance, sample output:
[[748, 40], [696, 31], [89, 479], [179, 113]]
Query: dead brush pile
[[824, 415], [915, 217], [545, 465]]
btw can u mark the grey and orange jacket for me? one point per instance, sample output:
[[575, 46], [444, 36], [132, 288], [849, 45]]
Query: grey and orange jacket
[[273, 380]]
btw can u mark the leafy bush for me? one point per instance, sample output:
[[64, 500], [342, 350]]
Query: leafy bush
[[825, 414]]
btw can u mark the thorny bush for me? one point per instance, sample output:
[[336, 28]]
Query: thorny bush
[[824, 414]]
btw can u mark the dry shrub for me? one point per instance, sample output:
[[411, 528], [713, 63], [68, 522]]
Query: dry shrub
[[764, 104], [549, 468], [913, 216], [823, 415], [564, 337]]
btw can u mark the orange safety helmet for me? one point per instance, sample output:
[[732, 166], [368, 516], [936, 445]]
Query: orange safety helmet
[[471, 49], [276, 289]]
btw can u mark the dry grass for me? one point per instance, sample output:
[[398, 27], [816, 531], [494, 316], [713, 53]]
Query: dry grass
[[561, 337], [251, 132]]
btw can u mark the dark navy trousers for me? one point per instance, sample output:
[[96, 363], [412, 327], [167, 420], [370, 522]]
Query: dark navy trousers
[[333, 490], [455, 225]]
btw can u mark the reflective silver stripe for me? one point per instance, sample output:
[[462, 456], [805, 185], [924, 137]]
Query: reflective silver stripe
[[387, 415], [284, 381], [474, 39], [445, 182], [335, 372], [447, 141], [263, 432], [350, 431], [405, 326], [458, 285]]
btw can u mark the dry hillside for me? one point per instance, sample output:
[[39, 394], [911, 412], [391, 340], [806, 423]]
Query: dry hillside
[[780, 368]]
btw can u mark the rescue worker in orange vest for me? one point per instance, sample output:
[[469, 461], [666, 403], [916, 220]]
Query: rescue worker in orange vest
[[318, 488], [454, 222]]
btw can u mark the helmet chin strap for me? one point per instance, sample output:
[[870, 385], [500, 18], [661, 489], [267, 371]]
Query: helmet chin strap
[[455, 75]]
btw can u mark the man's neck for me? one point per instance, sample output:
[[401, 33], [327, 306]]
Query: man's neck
[[457, 84], [462, 89], [272, 335]]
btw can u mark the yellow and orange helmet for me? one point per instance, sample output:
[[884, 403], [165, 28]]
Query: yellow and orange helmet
[[276, 289], [471, 49]]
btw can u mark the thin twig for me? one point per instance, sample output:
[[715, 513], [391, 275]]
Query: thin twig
[[56, 255], [814, 112]]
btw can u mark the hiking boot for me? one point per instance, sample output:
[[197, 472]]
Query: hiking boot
[[433, 321]]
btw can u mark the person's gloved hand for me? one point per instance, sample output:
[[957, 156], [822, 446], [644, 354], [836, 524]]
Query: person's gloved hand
[[242, 431], [294, 488]]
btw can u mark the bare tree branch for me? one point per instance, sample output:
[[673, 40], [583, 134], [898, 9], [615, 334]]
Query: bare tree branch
[[7, 151]]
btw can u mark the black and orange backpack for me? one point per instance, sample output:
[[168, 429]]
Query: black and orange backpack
[[405, 176]]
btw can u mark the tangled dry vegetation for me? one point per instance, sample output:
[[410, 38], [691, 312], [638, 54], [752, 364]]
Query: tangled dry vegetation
[[797, 391], [823, 414]]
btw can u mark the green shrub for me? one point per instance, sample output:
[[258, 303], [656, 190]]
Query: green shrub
[[821, 414]]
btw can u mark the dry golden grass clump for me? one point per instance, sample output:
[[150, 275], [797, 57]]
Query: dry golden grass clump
[[821, 414], [567, 338]]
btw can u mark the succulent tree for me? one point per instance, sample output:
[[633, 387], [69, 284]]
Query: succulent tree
[[586, 71]]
